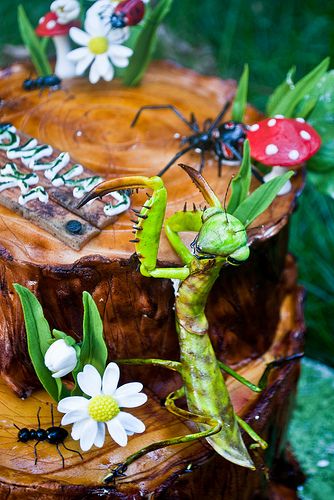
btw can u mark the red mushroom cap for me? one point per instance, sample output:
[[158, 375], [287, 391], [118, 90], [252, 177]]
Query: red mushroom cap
[[49, 26], [282, 141]]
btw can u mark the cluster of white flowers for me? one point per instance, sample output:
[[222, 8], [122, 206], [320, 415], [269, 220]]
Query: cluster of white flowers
[[101, 47], [90, 417]]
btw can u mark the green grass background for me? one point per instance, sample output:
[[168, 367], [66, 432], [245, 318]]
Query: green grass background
[[218, 37]]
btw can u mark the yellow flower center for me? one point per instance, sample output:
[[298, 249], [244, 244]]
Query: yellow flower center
[[103, 408], [98, 45]]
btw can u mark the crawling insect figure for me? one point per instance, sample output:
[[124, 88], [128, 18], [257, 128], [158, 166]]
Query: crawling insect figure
[[42, 82], [225, 139], [127, 13], [221, 240], [53, 435]]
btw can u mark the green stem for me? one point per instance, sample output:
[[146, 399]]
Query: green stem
[[170, 365]]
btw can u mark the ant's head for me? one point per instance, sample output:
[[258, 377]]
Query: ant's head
[[221, 235], [232, 131]]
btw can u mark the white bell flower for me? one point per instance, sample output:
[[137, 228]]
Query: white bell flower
[[60, 358], [100, 50], [90, 416], [66, 10]]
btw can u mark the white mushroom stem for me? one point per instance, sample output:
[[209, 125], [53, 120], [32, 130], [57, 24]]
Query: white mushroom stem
[[64, 67], [276, 172]]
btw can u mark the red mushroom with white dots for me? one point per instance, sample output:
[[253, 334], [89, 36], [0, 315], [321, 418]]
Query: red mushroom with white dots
[[49, 26], [282, 142]]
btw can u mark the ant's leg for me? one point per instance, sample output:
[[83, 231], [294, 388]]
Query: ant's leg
[[174, 159], [202, 161], [191, 124], [219, 117], [74, 451], [61, 455], [35, 451], [263, 382], [38, 419], [220, 164], [52, 416], [259, 442], [214, 427], [207, 124]]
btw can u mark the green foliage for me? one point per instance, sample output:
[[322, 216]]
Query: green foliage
[[240, 100], [145, 43], [241, 183], [33, 44], [93, 349], [292, 95], [39, 338], [260, 199]]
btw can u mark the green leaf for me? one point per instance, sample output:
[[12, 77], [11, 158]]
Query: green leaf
[[145, 44], [38, 337], [294, 96], [240, 100], [276, 97], [260, 199], [93, 349], [241, 183], [33, 44]]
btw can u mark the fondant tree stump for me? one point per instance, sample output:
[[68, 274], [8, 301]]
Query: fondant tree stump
[[254, 311]]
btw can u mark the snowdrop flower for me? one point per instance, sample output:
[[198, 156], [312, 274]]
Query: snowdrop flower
[[98, 49], [60, 358], [66, 10], [90, 416]]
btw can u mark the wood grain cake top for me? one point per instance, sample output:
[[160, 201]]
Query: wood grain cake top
[[92, 123]]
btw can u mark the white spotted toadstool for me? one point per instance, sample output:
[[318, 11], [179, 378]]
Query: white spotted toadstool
[[281, 143], [50, 26]]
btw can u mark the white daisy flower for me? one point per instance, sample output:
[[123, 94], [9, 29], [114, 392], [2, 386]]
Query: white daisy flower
[[99, 49], [90, 416]]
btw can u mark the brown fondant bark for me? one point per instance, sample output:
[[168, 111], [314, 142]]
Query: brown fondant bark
[[244, 308]]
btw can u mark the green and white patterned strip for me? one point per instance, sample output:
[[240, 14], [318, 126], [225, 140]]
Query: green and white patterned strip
[[8, 137], [37, 193], [52, 167], [63, 180], [122, 204], [12, 177], [30, 152]]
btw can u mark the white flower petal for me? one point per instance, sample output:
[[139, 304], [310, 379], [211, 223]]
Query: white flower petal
[[119, 51], [61, 373], [79, 36], [103, 64], [74, 416], [78, 427], [89, 381], [110, 379], [88, 435], [120, 62], [93, 25], [77, 54], [94, 74], [117, 432], [110, 75], [130, 423], [131, 401], [84, 63], [100, 436], [119, 35], [129, 389], [72, 403]]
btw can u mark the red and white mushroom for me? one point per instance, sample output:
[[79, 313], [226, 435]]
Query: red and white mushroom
[[50, 26], [282, 142]]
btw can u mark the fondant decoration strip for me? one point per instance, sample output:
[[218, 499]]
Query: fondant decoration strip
[[56, 180]]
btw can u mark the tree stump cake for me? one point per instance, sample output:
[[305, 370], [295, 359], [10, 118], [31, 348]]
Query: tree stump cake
[[254, 310]]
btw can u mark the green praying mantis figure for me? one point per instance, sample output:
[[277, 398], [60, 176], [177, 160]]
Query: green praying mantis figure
[[221, 240]]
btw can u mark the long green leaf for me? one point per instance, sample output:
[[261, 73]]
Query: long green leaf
[[240, 100], [260, 199], [241, 183], [38, 338], [276, 97], [33, 44], [292, 98], [93, 349], [145, 44]]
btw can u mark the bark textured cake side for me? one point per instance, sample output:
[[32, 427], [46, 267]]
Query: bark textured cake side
[[253, 311]]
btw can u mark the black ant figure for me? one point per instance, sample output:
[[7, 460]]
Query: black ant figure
[[42, 82], [54, 435], [225, 139]]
